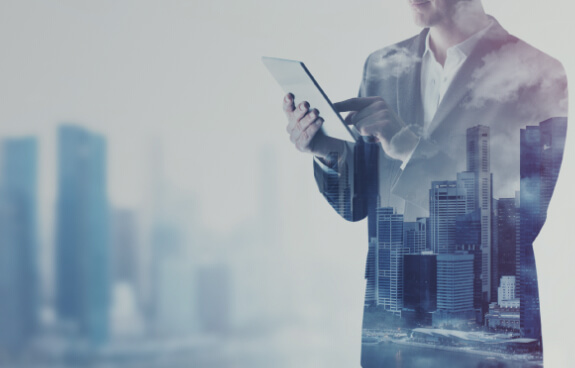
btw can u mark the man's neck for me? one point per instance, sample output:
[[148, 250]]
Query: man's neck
[[456, 30]]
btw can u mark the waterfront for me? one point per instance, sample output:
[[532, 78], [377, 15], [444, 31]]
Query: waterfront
[[402, 356]]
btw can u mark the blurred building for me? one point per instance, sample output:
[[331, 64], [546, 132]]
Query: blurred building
[[124, 246], [214, 298], [19, 284], [82, 234]]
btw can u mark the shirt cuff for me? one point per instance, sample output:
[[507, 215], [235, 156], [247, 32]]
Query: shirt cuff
[[334, 161], [405, 141]]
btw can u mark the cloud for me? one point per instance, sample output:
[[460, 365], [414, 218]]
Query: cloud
[[518, 72], [393, 61]]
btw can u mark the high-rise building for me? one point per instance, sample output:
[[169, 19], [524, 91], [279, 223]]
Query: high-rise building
[[506, 292], [478, 162], [420, 285], [82, 234], [125, 247], [454, 289], [19, 289], [540, 159], [385, 277], [506, 239], [214, 294], [448, 199], [468, 239], [415, 235]]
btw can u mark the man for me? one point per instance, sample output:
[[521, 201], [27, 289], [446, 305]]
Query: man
[[418, 101]]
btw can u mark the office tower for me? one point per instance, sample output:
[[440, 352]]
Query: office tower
[[82, 234], [415, 235], [448, 199], [214, 296], [504, 314], [125, 247], [517, 244], [494, 250], [478, 162], [506, 292], [506, 239], [385, 277], [454, 289], [368, 181], [420, 285], [468, 239], [19, 289], [541, 154]]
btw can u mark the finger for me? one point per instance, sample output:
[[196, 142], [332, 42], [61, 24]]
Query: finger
[[379, 124], [355, 104], [377, 109], [303, 137], [349, 118], [313, 129], [303, 122], [288, 103], [301, 111]]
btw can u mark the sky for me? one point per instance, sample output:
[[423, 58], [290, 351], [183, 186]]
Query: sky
[[188, 74]]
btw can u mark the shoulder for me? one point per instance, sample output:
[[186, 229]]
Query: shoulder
[[513, 70], [398, 58]]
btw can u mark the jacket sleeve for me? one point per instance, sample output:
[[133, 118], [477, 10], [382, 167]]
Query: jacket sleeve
[[344, 184]]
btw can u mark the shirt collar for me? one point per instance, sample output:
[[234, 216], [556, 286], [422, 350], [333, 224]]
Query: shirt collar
[[464, 48]]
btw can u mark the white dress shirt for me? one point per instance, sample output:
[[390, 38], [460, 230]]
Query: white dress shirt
[[435, 78]]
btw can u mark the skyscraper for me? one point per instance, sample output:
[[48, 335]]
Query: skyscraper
[[506, 218], [478, 162], [19, 289], [420, 285], [415, 235], [82, 234], [540, 159], [454, 289], [385, 282], [448, 199]]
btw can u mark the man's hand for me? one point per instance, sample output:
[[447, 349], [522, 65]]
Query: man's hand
[[304, 129], [372, 117]]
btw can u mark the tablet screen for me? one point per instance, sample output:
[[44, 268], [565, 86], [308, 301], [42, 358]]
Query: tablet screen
[[294, 77]]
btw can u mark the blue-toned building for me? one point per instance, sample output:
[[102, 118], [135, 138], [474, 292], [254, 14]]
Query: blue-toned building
[[420, 286], [454, 290], [506, 237], [385, 279], [448, 200], [540, 160], [468, 238], [415, 235], [82, 234], [19, 283]]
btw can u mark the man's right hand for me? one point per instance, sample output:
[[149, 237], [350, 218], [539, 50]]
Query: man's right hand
[[304, 129]]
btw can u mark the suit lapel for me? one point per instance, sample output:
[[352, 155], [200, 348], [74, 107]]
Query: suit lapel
[[409, 103], [458, 90]]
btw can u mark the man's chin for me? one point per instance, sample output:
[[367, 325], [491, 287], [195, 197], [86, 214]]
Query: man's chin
[[420, 20]]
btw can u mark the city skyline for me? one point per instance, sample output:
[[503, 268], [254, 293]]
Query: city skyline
[[460, 210]]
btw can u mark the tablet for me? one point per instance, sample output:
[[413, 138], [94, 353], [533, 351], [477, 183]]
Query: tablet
[[294, 77]]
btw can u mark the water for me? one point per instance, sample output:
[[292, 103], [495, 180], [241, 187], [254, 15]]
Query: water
[[389, 355]]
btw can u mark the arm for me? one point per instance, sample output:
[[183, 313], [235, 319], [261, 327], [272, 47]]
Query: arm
[[338, 165]]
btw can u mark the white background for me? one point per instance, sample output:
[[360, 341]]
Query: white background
[[188, 74]]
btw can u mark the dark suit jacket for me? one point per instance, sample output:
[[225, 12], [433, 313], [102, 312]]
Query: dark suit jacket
[[504, 83]]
